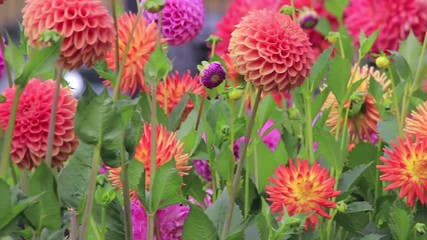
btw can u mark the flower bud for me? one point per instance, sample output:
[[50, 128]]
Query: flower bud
[[308, 19], [154, 6], [332, 37], [235, 93], [50, 36], [420, 228], [286, 9], [383, 62], [342, 206], [212, 74]]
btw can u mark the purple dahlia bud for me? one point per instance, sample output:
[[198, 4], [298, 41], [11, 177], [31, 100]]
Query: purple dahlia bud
[[308, 18], [212, 75]]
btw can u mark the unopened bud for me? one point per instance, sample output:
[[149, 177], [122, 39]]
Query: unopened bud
[[382, 62], [342, 206], [154, 6], [286, 9]]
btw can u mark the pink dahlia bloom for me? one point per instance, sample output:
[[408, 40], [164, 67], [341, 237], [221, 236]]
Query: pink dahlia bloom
[[182, 20], [86, 25], [169, 221], [395, 19], [32, 124], [271, 51]]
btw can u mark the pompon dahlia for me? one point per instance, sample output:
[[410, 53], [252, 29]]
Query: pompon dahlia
[[170, 91], [169, 221], [212, 74], [363, 114], [168, 148], [302, 189], [271, 51], [405, 168], [416, 124], [395, 19], [142, 46], [182, 20], [29, 141], [86, 25]]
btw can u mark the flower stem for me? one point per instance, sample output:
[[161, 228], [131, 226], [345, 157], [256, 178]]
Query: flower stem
[[240, 164], [199, 114], [418, 79], [333, 210], [74, 233], [293, 10], [344, 129], [114, 7], [396, 103], [52, 121], [126, 195], [87, 214], [309, 127], [8, 72], [341, 46], [7, 145]]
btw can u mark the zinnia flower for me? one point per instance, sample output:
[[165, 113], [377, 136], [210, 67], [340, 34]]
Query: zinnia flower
[[142, 45], [168, 147], [405, 167], [271, 51], [202, 169], [363, 115], [182, 20], [86, 25], [395, 19], [29, 141], [212, 75], [417, 123], [171, 91], [301, 189], [169, 221]]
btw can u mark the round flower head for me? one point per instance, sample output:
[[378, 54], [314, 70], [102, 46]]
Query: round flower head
[[169, 221], [212, 74], [405, 167], [86, 25], [395, 19], [171, 91], [182, 20], [308, 18], [417, 123], [202, 169], [363, 113], [271, 51], [142, 45], [168, 148], [29, 141], [302, 189]]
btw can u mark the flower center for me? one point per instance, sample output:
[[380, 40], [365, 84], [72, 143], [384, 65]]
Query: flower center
[[215, 78], [417, 167], [304, 191]]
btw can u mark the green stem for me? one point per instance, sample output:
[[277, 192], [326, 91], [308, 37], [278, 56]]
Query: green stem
[[246, 205], [341, 46], [8, 72], [199, 113], [334, 210], [7, 145], [126, 194], [52, 121], [293, 10], [87, 214], [24, 180], [378, 185], [344, 130], [74, 233], [256, 173], [418, 78], [240, 164], [95, 229], [244, 97], [309, 127], [396, 103], [114, 7], [103, 222], [405, 106]]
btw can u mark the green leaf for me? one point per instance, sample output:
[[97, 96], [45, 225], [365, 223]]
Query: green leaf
[[14, 57], [224, 162], [373, 236], [350, 177], [217, 212], [102, 69], [198, 226], [144, 104], [401, 223], [133, 132], [388, 129], [167, 184], [47, 212], [319, 101], [177, 113], [338, 77], [135, 171], [74, 177], [323, 26], [410, 49], [319, 67], [329, 148], [361, 155], [194, 187], [114, 219], [158, 65], [375, 89], [263, 227], [366, 44], [336, 7], [402, 66], [359, 207]]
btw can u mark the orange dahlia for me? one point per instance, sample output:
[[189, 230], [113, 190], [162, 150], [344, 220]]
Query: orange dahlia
[[301, 189], [168, 147], [405, 167], [363, 114], [271, 51], [142, 45], [86, 25], [170, 91], [417, 123]]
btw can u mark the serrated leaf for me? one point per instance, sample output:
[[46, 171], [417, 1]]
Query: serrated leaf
[[133, 132], [177, 113], [198, 226], [14, 57], [350, 177], [410, 49], [144, 104], [359, 207], [135, 170], [375, 89], [158, 65], [102, 69], [388, 129], [329, 148], [401, 223], [319, 67], [338, 78], [224, 161], [364, 154], [366, 44], [318, 102]]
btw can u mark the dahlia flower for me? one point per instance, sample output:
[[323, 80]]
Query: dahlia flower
[[271, 51], [29, 141], [302, 189], [202, 169], [86, 25], [417, 123], [362, 122], [395, 19], [308, 18], [171, 90], [169, 221], [212, 75], [207, 201], [168, 148], [405, 167], [142, 45], [182, 20]]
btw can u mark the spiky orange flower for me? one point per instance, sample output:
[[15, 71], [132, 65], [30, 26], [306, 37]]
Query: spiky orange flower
[[301, 189], [168, 148], [174, 88], [417, 123], [142, 45], [405, 167], [363, 113]]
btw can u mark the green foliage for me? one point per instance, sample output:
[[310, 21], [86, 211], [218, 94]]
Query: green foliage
[[177, 113], [158, 66], [402, 67], [359, 207], [367, 43], [329, 148], [349, 178], [361, 156], [194, 187], [318, 70], [410, 50], [401, 222], [336, 7], [102, 69], [338, 78], [198, 226], [388, 129]]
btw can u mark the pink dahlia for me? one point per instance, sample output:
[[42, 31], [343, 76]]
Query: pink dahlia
[[182, 20], [86, 25], [395, 19], [32, 124], [271, 51], [169, 221]]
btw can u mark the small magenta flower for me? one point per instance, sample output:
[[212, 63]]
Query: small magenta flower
[[308, 18], [212, 74], [202, 169]]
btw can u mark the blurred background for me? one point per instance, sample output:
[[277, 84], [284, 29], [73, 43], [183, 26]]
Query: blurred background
[[187, 56]]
